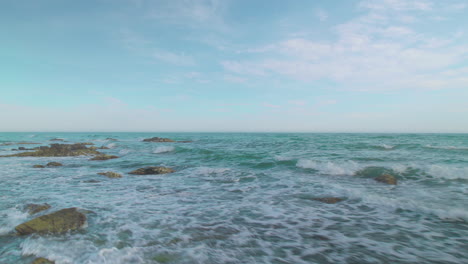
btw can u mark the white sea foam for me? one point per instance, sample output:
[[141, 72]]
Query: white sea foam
[[447, 172], [163, 149], [282, 158], [11, 218], [124, 151], [331, 168], [111, 145], [208, 171], [447, 147], [385, 146]]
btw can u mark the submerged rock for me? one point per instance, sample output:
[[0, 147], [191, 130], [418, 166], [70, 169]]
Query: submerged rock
[[42, 261], [386, 178], [158, 139], [39, 166], [111, 174], [54, 223], [57, 139], [104, 157], [329, 200], [111, 139], [54, 164], [152, 170], [59, 150], [91, 181], [36, 208], [103, 147]]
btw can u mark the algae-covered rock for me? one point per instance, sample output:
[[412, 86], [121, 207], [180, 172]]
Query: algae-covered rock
[[110, 174], [39, 166], [42, 261], [54, 164], [329, 200], [158, 139], [36, 208], [87, 143], [152, 170], [54, 223], [57, 139], [104, 157], [386, 178], [59, 150]]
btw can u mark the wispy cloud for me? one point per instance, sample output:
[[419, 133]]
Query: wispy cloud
[[321, 14], [174, 58]]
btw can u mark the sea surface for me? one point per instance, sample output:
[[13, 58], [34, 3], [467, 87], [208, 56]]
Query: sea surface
[[244, 198]]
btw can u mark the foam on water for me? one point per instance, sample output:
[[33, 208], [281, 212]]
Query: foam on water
[[224, 205], [163, 149]]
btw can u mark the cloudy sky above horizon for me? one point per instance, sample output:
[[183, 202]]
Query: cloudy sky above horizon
[[234, 65]]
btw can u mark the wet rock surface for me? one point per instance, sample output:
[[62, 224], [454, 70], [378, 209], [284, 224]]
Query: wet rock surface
[[387, 178], [54, 164], [152, 170], [110, 174], [55, 223], [42, 261], [158, 139], [36, 208], [104, 157], [59, 150]]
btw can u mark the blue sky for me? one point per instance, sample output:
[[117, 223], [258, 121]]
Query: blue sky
[[238, 65]]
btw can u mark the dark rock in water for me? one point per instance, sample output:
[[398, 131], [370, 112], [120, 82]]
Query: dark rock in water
[[54, 164], [104, 157], [103, 147], [87, 143], [57, 139], [58, 150], [185, 141], [111, 139], [329, 200], [39, 166], [158, 139], [36, 208], [152, 170], [54, 223], [110, 174], [386, 178], [91, 181], [42, 261]]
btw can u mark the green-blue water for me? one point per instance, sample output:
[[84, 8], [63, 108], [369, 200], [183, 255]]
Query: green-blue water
[[245, 198]]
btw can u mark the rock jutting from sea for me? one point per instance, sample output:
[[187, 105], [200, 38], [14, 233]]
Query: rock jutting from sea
[[55, 223], [59, 150]]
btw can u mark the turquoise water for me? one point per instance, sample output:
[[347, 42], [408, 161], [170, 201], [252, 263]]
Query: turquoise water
[[245, 198]]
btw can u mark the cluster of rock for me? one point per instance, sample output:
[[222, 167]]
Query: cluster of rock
[[50, 164], [110, 174], [104, 157], [152, 170], [157, 139], [59, 150]]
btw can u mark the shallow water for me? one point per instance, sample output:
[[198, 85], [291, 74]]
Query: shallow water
[[245, 198]]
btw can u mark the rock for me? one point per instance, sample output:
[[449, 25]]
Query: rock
[[185, 141], [152, 170], [42, 261], [36, 208], [386, 178], [54, 164], [111, 139], [57, 139], [110, 174], [91, 181], [54, 223], [87, 143], [58, 150], [329, 200], [158, 139], [103, 147], [39, 166], [104, 157]]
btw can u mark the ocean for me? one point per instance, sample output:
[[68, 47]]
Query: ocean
[[244, 198]]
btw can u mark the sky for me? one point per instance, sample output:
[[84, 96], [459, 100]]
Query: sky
[[234, 65]]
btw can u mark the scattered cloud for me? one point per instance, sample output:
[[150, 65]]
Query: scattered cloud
[[174, 58], [321, 14]]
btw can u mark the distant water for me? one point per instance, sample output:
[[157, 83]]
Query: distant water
[[246, 198]]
